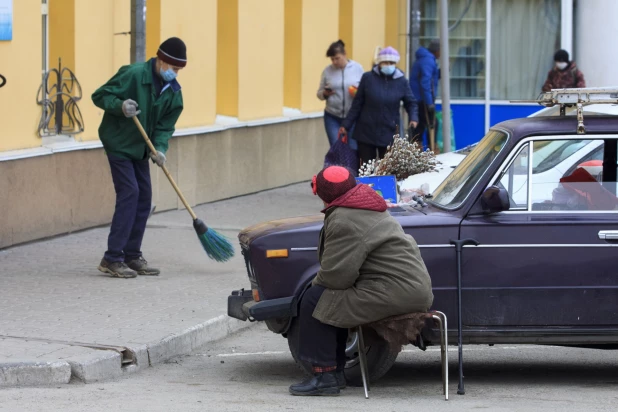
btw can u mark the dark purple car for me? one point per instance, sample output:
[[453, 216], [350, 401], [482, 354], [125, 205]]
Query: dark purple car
[[541, 201]]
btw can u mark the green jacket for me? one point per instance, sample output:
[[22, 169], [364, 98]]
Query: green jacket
[[158, 116], [371, 269]]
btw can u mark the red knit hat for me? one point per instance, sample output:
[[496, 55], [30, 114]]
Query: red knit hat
[[333, 182]]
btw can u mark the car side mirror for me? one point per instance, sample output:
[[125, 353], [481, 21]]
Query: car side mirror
[[495, 199]]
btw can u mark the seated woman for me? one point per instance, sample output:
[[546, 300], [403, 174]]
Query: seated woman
[[369, 270]]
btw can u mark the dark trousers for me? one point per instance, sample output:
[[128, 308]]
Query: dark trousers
[[320, 344], [133, 198], [424, 120], [368, 152]]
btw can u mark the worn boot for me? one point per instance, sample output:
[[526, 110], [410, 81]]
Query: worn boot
[[141, 267], [116, 269], [322, 384]]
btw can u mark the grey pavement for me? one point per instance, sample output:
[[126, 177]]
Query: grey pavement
[[252, 369], [58, 310]]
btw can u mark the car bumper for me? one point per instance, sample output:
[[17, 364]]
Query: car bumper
[[240, 305]]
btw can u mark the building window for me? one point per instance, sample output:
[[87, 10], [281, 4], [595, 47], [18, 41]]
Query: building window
[[524, 37], [467, 40]]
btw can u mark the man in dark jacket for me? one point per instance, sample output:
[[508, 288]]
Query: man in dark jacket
[[149, 91], [369, 270], [564, 74], [375, 109], [424, 83]]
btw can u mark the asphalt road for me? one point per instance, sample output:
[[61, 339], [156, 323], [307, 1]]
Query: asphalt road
[[251, 371]]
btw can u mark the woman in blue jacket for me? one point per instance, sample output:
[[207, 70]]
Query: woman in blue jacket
[[375, 109]]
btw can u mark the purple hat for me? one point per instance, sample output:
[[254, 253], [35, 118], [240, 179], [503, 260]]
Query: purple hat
[[388, 54]]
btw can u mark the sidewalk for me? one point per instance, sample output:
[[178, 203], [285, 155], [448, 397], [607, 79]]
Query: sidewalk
[[62, 318]]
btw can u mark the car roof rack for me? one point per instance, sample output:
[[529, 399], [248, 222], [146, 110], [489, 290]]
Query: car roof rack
[[576, 97]]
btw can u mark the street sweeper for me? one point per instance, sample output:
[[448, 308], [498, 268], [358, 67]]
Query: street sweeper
[[149, 91]]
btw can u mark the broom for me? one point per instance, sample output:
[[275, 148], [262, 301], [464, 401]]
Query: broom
[[216, 246]]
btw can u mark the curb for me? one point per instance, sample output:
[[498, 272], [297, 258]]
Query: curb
[[34, 373], [107, 364]]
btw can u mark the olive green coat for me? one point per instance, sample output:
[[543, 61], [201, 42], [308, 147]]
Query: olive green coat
[[119, 135], [370, 267]]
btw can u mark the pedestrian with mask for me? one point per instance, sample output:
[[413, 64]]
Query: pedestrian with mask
[[564, 74], [149, 91], [375, 109], [424, 83], [338, 86]]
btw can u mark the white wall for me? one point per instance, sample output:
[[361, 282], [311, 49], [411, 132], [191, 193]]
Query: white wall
[[596, 38]]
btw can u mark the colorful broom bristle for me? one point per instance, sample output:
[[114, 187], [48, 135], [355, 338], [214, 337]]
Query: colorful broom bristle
[[216, 246]]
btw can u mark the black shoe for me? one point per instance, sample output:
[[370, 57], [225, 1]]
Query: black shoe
[[341, 379], [322, 384]]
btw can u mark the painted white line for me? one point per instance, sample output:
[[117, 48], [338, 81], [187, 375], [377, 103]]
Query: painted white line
[[484, 348], [229, 355], [451, 349]]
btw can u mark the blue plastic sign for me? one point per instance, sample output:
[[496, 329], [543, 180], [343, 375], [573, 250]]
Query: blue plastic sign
[[385, 186], [6, 20]]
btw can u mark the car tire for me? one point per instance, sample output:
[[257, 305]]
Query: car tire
[[380, 358]]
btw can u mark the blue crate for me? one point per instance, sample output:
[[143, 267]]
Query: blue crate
[[385, 186]]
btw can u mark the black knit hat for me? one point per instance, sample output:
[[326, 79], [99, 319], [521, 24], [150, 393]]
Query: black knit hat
[[173, 51], [561, 56], [332, 183]]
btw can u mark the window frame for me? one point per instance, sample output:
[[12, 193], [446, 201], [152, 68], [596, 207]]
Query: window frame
[[530, 140]]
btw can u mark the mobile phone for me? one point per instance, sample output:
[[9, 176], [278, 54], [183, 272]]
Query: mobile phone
[[328, 89]]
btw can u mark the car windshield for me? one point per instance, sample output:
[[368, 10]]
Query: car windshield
[[452, 192]]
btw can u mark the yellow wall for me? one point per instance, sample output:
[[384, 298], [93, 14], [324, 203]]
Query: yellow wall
[[368, 30], [153, 27], [195, 22], [121, 24], [346, 24], [94, 25], [260, 59], [227, 57], [395, 28], [362, 28], [292, 72], [314, 46], [20, 63], [61, 33], [246, 58]]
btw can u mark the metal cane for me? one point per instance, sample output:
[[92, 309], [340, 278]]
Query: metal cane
[[459, 244]]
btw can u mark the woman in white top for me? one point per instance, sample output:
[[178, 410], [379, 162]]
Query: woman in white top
[[338, 87]]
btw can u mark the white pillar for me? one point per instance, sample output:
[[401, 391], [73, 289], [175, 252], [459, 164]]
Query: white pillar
[[566, 26], [595, 35]]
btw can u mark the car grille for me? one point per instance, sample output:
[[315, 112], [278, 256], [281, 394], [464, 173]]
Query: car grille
[[245, 252]]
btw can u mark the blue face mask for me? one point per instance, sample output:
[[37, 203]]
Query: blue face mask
[[167, 75], [388, 70]]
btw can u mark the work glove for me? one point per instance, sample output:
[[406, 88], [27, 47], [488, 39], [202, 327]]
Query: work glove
[[129, 108], [158, 158]]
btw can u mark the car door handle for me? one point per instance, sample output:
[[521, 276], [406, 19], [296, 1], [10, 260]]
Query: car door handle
[[608, 235]]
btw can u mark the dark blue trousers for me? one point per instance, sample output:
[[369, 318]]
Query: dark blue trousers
[[133, 198], [320, 344]]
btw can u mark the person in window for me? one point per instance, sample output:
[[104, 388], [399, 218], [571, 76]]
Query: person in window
[[424, 83], [564, 74], [375, 110], [149, 91], [370, 269], [338, 87]]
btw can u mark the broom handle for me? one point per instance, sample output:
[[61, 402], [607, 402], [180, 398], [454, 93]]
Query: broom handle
[[167, 173]]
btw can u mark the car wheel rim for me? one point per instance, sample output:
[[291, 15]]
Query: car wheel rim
[[351, 350]]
